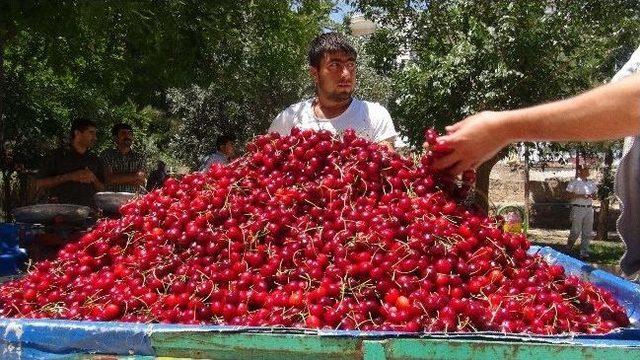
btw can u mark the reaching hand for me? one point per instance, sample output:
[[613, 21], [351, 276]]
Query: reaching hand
[[472, 141]]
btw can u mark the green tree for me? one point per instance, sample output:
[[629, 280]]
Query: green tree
[[466, 56], [260, 68], [117, 60]]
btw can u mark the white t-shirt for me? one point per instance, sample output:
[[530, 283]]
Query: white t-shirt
[[579, 186], [369, 120]]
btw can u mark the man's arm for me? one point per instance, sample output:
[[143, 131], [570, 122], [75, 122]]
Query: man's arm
[[52, 181], [135, 179], [571, 195], [608, 112], [82, 176]]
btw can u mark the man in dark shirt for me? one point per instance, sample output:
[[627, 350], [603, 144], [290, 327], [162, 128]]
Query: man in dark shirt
[[71, 175], [124, 169]]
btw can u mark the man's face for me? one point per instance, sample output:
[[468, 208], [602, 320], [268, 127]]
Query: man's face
[[228, 149], [584, 173], [87, 137], [335, 77], [124, 138]]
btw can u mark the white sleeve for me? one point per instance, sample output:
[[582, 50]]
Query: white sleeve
[[282, 124], [571, 186], [631, 67], [383, 128]]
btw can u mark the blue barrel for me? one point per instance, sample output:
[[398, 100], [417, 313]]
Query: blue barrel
[[8, 236], [9, 264], [12, 257]]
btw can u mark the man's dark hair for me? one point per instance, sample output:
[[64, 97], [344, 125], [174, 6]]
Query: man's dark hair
[[120, 126], [81, 124], [223, 140], [331, 42]]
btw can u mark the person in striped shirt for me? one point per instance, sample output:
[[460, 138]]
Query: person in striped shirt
[[124, 168]]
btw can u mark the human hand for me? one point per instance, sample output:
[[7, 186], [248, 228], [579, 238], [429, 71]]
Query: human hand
[[471, 141], [141, 178], [84, 176]]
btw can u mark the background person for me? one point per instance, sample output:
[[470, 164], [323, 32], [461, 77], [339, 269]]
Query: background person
[[225, 150], [124, 169], [332, 65], [72, 174], [582, 191]]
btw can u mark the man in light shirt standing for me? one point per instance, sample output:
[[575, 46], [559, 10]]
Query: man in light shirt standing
[[332, 64], [582, 191]]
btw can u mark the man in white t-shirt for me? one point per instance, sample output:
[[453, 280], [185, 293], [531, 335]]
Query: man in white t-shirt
[[332, 64], [582, 191]]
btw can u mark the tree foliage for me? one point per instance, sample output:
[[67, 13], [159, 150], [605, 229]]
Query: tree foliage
[[260, 68], [467, 55], [119, 60]]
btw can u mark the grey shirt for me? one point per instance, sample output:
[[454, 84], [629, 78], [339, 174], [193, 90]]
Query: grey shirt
[[627, 186]]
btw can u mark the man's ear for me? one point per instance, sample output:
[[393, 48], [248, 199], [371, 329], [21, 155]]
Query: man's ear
[[313, 71]]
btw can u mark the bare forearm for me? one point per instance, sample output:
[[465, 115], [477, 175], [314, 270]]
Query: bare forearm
[[608, 112], [52, 181]]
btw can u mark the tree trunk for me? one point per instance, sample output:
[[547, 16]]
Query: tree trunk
[[5, 36], [602, 227], [482, 180], [527, 190], [2, 96], [4, 171], [6, 194], [607, 182]]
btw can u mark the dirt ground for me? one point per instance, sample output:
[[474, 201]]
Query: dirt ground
[[506, 186]]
